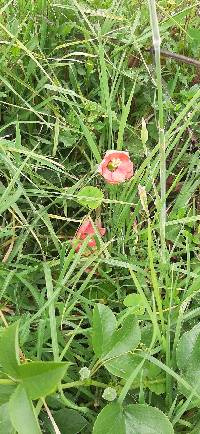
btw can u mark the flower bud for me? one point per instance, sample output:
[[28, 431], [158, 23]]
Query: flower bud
[[109, 394], [84, 373]]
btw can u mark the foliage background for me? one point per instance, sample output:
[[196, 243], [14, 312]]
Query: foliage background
[[76, 79]]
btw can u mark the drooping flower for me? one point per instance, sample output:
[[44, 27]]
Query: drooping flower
[[116, 167], [87, 230]]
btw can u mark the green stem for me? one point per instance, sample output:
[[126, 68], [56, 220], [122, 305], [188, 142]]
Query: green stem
[[147, 306], [154, 277], [6, 381], [52, 314], [71, 404], [156, 44], [86, 383], [127, 386]]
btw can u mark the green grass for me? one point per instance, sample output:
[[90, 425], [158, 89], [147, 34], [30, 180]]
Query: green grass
[[68, 94]]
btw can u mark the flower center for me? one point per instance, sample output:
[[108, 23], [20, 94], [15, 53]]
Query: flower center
[[114, 164]]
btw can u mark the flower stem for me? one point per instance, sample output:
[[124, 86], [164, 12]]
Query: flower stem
[[156, 44]]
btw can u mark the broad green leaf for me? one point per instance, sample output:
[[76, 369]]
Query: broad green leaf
[[143, 419], [90, 196], [22, 413], [194, 33], [9, 350], [188, 349], [5, 422], [158, 386], [135, 301], [104, 325], [192, 376], [6, 391], [41, 378], [133, 419], [124, 339], [69, 421], [110, 420], [123, 366], [188, 360]]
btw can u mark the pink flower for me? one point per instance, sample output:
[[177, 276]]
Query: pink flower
[[116, 167], [85, 230]]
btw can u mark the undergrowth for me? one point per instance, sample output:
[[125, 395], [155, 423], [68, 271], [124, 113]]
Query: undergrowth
[[101, 339]]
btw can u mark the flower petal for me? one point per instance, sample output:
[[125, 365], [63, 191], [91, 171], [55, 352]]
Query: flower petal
[[123, 172]]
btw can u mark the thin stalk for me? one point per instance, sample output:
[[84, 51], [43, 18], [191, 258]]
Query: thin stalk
[[55, 426], [154, 279], [147, 306], [85, 383], [129, 382], [6, 381], [169, 379], [52, 314], [156, 45]]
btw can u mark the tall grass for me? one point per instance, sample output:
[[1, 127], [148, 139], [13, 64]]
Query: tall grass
[[67, 96], [156, 46]]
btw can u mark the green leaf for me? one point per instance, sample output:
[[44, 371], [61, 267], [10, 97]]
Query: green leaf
[[124, 118], [6, 391], [110, 420], [141, 419], [192, 377], [9, 350], [123, 366], [104, 325], [188, 349], [69, 421], [135, 301], [7, 200], [133, 419], [124, 339], [193, 33], [90, 196], [41, 378], [90, 141], [196, 429], [158, 386], [5, 422], [22, 413]]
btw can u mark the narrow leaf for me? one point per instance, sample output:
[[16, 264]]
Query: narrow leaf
[[91, 143], [124, 117], [9, 200]]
